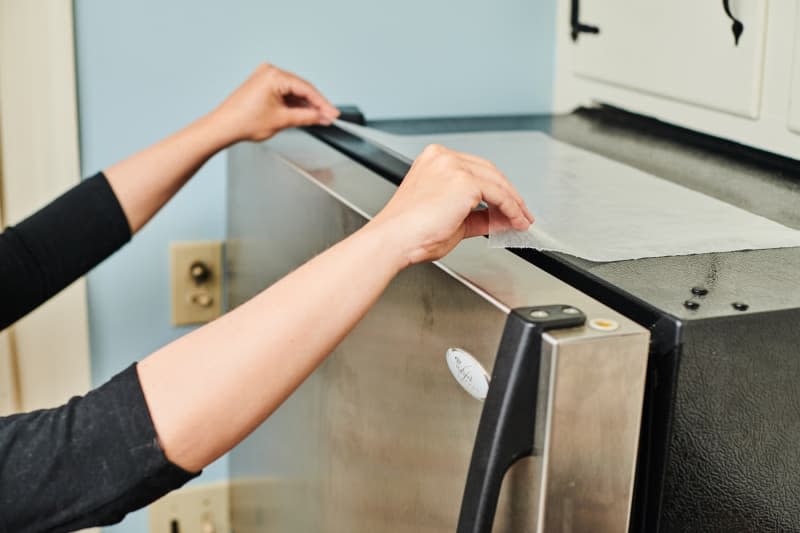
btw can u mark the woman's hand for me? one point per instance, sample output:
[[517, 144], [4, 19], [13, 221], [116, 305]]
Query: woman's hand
[[271, 100], [432, 209]]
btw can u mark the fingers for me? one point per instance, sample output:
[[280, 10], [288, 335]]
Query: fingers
[[476, 224], [301, 88], [493, 175], [442, 189], [497, 196], [301, 116], [485, 171], [485, 222]]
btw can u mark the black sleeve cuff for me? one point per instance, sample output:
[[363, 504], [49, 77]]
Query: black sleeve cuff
[[85, 464]]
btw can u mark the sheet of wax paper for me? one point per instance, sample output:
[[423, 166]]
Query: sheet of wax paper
[[592, 207]]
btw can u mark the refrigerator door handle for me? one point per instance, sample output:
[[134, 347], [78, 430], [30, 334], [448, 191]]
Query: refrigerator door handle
[[506, 428]]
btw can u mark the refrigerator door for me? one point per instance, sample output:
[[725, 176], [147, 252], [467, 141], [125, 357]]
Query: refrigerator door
[[383, 436]]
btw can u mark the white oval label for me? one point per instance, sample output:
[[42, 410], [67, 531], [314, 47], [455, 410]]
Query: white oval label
[[469, 373]]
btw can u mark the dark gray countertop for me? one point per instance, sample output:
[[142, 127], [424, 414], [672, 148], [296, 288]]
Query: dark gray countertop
[[765, 280]]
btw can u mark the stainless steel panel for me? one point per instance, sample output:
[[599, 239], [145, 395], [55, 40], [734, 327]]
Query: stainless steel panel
[[593, 431], [379, 438]]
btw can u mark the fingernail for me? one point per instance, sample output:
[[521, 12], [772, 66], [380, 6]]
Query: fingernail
[[528, 213]]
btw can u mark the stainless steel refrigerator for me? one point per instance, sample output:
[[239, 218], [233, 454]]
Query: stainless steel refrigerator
[[481, 393], [648, 395]]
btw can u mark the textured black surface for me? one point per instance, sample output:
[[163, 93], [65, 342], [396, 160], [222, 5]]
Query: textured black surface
[[734, 454], [719, 447], [768, 186]]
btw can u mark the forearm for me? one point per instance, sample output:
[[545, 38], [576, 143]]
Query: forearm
[[269, 101], [209, 389], [145, 181]]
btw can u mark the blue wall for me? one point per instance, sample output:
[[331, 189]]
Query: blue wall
[[147, 67]]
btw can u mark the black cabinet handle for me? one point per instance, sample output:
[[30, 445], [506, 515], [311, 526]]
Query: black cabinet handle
[[576, 26], [508, 419], [738, 27]]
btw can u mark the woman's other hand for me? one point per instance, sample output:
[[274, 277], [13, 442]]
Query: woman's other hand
[[434, 207], [271, 100]]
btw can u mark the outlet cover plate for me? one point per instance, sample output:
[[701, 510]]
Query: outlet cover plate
[[200, 508], [187, 294]]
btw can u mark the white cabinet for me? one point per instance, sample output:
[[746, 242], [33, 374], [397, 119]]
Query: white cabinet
[[794, 95], [680, 49]]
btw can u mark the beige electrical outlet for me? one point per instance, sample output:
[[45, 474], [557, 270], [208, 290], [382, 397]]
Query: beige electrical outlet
[[201, 509], [196, 280]]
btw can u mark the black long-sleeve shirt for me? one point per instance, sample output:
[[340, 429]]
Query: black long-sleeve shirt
[[91, 461]]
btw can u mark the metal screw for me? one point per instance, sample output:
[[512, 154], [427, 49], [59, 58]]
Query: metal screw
[[740, 306], [570, 311], [692, 306], [539, 313], [699, 291]]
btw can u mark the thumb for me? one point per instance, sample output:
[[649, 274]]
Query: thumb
[[303, 116], [476, 223]]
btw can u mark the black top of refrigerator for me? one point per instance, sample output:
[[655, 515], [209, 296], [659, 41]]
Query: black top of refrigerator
[[722, 403]]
